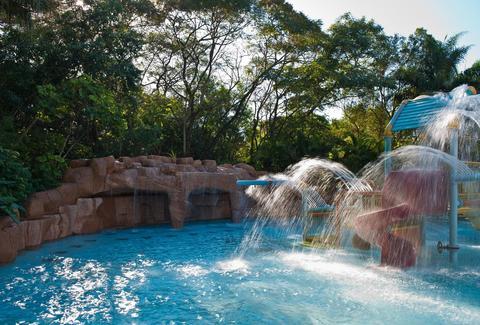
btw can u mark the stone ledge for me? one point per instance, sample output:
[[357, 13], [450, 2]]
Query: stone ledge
[[99, 193]]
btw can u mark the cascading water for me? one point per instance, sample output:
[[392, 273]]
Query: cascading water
[[306, 185], [314, 183]]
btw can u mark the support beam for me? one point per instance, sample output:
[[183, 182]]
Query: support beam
[[474, 177], [387, 141], [453, 217]]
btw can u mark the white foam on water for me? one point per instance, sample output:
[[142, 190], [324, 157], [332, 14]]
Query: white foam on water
[[321, 265], [236, 265], [383, 287], [192, 270]]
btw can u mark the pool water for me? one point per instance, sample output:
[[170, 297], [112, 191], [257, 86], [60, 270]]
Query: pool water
[[193, 275]]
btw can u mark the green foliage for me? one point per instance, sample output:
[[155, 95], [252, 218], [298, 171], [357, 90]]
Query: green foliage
[[360, 134], [15, 11], [48, 171], [301, 136], [15, 183], [243, 80], [84, 113], [470, 76], [153, 130], [429, 64], [199, 5]]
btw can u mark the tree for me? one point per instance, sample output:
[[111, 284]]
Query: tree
[[244, 80], [470, 76], [187, 52], [429, 65], [285, 44], [23, 12]]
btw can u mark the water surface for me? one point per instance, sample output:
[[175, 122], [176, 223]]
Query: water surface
[[192, 275]]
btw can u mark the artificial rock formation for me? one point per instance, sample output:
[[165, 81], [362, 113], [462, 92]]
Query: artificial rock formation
[[104, 193]]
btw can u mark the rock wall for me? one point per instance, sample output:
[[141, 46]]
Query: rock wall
[[106, 193]]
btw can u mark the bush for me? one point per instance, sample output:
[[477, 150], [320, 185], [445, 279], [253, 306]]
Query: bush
[[47, 171], [15, 183]]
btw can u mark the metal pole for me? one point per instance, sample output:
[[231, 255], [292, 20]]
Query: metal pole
[[453, 189], [453, 218], [387, 141]]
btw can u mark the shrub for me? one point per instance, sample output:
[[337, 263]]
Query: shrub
[[47, 171], [15, 183]]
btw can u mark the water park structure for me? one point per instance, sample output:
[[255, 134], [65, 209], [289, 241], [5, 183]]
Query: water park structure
[[392, 218]]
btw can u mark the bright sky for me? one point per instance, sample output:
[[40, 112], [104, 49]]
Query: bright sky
[[440, 17]]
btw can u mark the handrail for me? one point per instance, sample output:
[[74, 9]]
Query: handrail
[[259, 182]]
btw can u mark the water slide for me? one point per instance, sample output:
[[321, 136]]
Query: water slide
[[406, 196]]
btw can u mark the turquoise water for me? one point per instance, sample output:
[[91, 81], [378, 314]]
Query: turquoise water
[[162, 275]]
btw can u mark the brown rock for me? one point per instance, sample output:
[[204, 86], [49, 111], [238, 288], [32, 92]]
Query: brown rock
[[106, 212], [68, 214], [162, 159], [127, 161], [169, 169], [185, 189], [68, 192], [86, 221], [139, 159], [64, 226], [79, 163], [242, 173], [103, 166], [34, 205], [124, 211], [54, 201], [197, 163], [33, 233], [8, 250], [151, 163], [18, 235], [50, 227], [161, 183], [236, 199], [178, 209], [185, 168], [83, 177], [210, 165], [148, 171], [123, 180], [136, 165], [247, 167], [166, 160], [91, 225], [152, 209], [185, 161], [118, 166], [86, 207]]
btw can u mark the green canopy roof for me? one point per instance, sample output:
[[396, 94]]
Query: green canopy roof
[[415, 113]]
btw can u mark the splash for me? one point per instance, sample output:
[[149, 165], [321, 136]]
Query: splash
[[366, 208], [235, 265], [309, 184]]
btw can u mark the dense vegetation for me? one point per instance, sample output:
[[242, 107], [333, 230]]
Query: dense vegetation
[[232, 80]]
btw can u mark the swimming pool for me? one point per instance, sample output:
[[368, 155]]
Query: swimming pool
[[193, 275]]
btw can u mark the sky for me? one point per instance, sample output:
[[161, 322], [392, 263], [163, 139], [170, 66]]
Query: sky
[[441, 18]]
